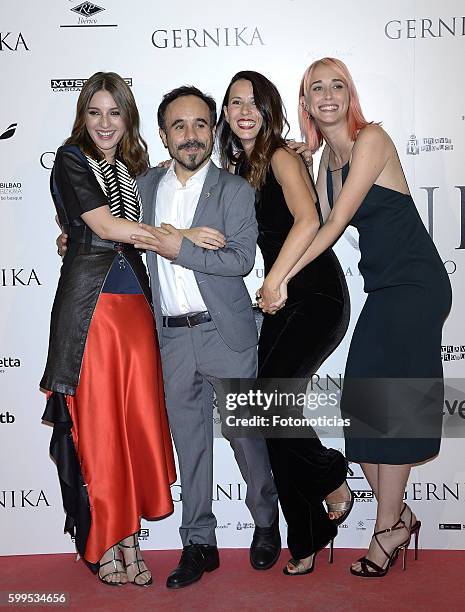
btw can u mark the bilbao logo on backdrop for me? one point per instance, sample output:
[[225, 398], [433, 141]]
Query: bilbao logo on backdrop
[[88, 15], [11, 191], [190, 38], [19, 277], [58, 85], [446, 27], [23, 498], [13, 41]]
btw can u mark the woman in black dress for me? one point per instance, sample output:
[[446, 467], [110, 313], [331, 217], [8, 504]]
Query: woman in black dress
[[111, 440], [393, 381], [295, 340]]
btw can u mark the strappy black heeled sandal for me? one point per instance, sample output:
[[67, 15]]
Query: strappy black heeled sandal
[[115, 560], [413, 529], [370, 569], [138, 560]]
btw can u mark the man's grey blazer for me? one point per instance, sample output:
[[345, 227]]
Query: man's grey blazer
[[226, 203]]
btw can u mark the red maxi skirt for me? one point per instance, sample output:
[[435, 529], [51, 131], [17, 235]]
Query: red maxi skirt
[[119, 425]]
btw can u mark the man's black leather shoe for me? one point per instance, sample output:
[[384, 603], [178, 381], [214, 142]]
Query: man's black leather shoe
[[265, 547], [195, 560]]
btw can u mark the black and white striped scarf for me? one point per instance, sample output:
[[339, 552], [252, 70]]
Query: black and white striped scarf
[[120, 189]]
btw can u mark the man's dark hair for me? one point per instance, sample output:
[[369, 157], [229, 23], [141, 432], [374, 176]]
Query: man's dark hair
[[185, 90]]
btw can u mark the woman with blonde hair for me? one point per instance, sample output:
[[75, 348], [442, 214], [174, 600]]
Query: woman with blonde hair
[[393, 380]]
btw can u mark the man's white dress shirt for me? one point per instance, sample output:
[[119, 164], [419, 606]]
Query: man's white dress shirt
[[176, 204]]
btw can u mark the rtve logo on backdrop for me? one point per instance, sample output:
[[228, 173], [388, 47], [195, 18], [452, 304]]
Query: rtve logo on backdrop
[[425, 28], [248, 36]]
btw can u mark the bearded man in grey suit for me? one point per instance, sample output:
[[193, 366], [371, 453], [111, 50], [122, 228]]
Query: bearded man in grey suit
[[204, 232]]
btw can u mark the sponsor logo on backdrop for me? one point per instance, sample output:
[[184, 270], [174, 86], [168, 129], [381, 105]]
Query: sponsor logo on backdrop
[[144, 534], [9, 362], [445, 27], [88, 15], [240, 526], [435, 491], [364, 496], [11, 190], [87, 9], [189, 38], [452, 526], [9, 132], [428, 145], [6, 418], [58, 85], [18, 277], [452, 352], [13, 41], [23, 498], [225, 526]]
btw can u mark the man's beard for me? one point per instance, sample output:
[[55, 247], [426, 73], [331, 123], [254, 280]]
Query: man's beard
[[193, 161]]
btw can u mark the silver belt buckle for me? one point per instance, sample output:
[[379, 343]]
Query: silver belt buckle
[[188, 321]]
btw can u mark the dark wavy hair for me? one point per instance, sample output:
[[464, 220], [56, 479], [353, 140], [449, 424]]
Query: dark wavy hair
[[132, 148], [270, 137], [179, 92]]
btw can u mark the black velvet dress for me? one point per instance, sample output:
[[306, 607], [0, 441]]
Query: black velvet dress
[[393, 383], [293, 344]]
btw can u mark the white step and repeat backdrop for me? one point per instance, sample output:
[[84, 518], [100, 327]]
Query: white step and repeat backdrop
[[407, 60]]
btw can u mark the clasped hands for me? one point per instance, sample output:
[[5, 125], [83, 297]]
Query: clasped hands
[[271, 298], [166, 240]]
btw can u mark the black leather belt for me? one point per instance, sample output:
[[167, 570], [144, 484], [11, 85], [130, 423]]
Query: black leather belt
[[189, 320]]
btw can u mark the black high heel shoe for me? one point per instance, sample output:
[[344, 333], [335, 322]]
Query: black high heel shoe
[[370, 569], [413, 529], [138, 560], [301, 570]]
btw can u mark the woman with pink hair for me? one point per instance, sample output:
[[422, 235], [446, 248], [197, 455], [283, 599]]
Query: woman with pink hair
[[393, 387]]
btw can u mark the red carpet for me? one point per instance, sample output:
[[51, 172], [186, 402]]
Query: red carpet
[[434, 582]]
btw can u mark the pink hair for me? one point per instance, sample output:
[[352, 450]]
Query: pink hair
[[355, 119]]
